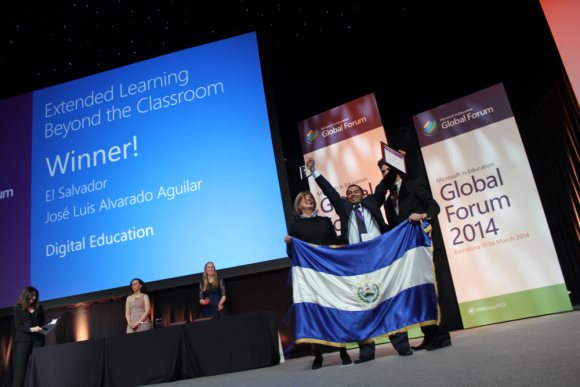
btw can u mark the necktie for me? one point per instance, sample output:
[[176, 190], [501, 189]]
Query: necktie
[[360, 220], [395, 196]]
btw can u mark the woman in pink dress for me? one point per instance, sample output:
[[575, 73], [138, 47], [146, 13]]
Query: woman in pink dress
[[138, 308]]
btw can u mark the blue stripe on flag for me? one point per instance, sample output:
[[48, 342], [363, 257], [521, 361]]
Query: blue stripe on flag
[[360, 258], [411, 306]]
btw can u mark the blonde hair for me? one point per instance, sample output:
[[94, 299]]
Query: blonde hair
[[299, 197], [215, 282]]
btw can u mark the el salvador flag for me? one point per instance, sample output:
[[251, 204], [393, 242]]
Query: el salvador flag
[[361, 291]]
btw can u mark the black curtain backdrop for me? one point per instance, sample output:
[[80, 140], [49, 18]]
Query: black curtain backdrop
[[552, 140]]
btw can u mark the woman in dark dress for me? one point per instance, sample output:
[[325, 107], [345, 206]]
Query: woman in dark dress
[[28, 321], [318, 230], [212, 293]]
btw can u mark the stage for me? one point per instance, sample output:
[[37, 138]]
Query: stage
[[540, 351]]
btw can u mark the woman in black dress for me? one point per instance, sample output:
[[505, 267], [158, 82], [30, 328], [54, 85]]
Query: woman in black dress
[[28, 321], [318, 230], [212, 293]]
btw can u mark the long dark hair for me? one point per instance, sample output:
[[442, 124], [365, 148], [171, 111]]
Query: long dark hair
[[143, 290], [25, 300]]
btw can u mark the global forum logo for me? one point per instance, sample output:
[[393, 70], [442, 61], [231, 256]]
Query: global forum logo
[[311, 136], [429, 127]]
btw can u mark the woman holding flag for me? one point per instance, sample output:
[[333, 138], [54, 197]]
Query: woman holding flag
[[312, 228]]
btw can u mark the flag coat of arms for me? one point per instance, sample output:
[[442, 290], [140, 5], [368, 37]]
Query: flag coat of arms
[[358, 292]]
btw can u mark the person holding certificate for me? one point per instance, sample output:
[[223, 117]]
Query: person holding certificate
[[138, 308], [411, 200], [319, 230], [408, 200], [28, 322]]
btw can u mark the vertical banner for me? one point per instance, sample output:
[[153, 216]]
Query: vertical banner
[[345, 143], [500, 250]]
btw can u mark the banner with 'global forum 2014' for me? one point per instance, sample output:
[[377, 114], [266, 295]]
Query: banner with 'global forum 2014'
[[500, 250]]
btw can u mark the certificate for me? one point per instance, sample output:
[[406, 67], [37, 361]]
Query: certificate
[[393, 158], [47, 328]]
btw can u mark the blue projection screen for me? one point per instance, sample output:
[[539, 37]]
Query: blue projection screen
[[150, 170]]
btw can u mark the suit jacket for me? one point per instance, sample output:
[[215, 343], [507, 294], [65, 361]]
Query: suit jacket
[[414, 196], [23, 321], [372, 202]]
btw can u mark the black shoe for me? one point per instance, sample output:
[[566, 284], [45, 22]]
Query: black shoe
[[438, 344], [317, 363], [405, 351], [423, 345], [363, 359], [345, 358]]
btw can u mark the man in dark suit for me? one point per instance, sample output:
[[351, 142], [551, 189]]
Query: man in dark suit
[[411, 200], [361, 220]]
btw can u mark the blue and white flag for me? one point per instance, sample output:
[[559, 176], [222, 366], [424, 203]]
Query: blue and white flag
[[361, 291]]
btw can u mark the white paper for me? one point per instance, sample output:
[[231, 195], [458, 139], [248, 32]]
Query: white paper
[[394, 158]]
